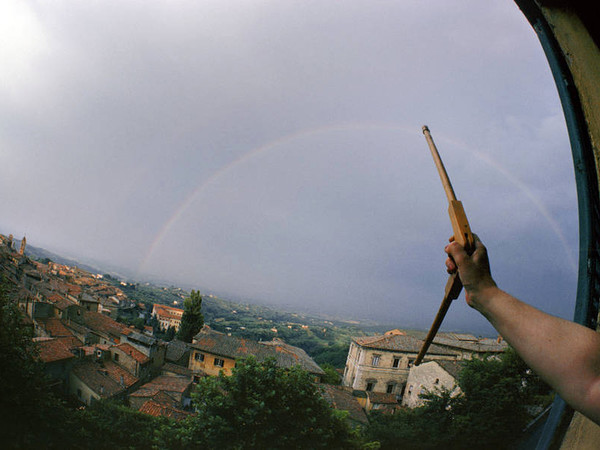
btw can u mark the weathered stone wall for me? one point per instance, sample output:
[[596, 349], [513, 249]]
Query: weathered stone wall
[[426, 377]]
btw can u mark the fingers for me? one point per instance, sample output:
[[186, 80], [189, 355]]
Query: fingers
[[450, 266], [455, 251]]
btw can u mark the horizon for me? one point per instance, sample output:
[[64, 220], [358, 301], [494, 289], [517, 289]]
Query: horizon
[[275, 152]]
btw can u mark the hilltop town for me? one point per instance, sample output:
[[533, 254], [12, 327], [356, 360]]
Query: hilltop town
[[96, 343], [92, 355]]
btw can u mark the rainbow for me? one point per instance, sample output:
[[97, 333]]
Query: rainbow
[[350, 126]]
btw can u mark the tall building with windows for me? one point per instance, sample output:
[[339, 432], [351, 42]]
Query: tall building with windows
[[382, 363], [167, 316]]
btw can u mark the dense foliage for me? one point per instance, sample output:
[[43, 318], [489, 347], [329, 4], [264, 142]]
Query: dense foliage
[[264, 406], [192, 319], [497, 395], [27, 408]]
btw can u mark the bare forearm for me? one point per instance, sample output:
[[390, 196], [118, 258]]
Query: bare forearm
[[566, 355]]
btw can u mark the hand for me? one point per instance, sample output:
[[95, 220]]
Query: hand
[[474, 270]]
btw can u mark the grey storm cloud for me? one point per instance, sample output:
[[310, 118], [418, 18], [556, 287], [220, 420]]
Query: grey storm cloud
[[273, 150]]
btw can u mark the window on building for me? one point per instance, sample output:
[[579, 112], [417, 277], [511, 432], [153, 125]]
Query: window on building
[[375, 360], [390, 388], [116, 357], [411, 362], [199, 356], [370, 385], [219, 362], [78, 393], [410, 389], [396, 362]]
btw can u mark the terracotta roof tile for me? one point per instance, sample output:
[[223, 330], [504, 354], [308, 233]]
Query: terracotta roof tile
[[382, 398], [167, 312], [106, 379], [341, 398], [401, 343], [176, 369], [52, 349], [99, 322], [166, 383], [156, 409], [234, 347], [133, 352]]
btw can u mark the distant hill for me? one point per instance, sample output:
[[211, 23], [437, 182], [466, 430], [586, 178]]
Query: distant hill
[[39, 254]]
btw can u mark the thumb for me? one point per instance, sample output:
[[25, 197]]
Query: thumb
[[456, 251]]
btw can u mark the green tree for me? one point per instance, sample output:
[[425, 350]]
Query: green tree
[[331, 375], [490, 413], [264, 406], [192, 319], [28, 409]]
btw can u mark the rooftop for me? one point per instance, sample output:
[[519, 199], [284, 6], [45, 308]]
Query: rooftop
[[479, 345], [168, 312], [140, 338], [452, 367], [341, 398], [176, 349], [53, 349], [133, 352], [400, 343], [165, 383], [382, 398], [156, 409], [106, 379], [99, 322], [234, 347]]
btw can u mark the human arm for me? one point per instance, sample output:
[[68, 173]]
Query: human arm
[[565, 354]]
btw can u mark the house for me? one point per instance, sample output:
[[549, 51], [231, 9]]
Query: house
[[341, 398], [148, 345], [175, 370], [381, 363], [178, 352], [100, 328], [58, 359], [167, 316], [469, 346], [88, 302], [91, 380], [431, 376], [213, 352], [288, 356], [381, 401], [177, 388], [55, 328], [131, 359]]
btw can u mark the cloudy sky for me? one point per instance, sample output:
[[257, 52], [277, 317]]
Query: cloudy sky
[[272, 150]]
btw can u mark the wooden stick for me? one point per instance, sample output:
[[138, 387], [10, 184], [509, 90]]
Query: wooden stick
[[462, 235]]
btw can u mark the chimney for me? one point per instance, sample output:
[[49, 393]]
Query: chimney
[[499, 340]]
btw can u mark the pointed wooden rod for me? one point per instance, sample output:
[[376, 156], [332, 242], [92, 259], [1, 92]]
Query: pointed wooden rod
[[462, 235], [440, 165]]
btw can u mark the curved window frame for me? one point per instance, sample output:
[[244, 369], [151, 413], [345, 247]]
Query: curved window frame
[[588, 282]]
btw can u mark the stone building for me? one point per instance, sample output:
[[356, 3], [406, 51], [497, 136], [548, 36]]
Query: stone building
[[469, 346], [431, 376], [213, 352], [381, 363], [167, 316]]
